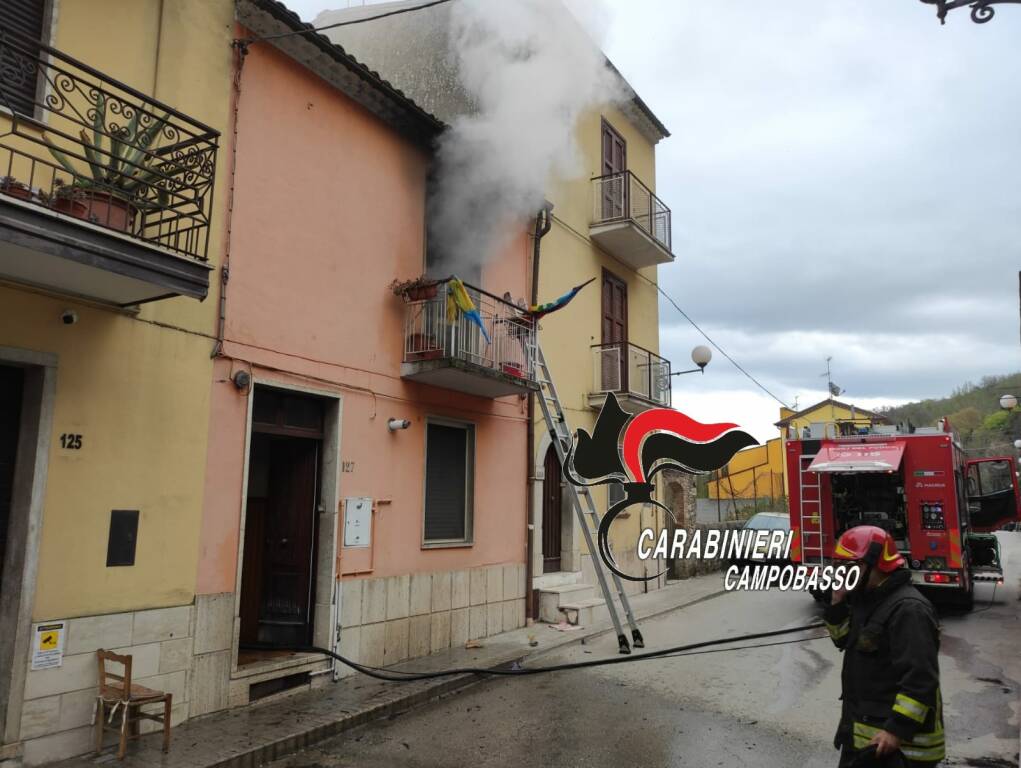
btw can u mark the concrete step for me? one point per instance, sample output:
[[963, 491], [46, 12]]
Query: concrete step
[[585, 613], [552, 598]]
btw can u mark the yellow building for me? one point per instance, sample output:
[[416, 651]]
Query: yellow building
[[760, 472], [110, 235], [754, 473]]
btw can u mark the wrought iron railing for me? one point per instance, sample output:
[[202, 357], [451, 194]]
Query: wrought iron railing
[[429, 334], [627, 369], [622, 197], [80, 143]]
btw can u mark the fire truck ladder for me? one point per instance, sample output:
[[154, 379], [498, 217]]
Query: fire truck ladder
[[810, 513], [560, 432]]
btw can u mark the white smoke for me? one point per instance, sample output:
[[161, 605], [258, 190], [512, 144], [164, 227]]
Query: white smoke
[[532, 72]]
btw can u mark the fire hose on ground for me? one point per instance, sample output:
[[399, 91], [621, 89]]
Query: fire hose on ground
[[514, 669]]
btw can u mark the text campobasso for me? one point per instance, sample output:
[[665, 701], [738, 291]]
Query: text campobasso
[[748, 546]]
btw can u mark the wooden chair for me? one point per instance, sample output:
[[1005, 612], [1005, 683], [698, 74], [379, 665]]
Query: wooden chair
[[124, 700]]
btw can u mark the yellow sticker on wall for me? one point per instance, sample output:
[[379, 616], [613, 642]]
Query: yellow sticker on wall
[[48, 648]]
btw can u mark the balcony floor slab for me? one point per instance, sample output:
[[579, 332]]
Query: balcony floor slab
[[470, 378], [58, 253], [630, 243]]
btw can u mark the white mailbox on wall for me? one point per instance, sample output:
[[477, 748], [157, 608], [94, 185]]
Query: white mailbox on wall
[[357, 521]]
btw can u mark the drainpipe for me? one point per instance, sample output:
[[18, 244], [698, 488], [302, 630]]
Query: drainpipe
[[543, 222]]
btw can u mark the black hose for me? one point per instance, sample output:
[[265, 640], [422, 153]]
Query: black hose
[[396, 676]]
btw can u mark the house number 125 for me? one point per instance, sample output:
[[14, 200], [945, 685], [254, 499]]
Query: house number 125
[[71, 442]]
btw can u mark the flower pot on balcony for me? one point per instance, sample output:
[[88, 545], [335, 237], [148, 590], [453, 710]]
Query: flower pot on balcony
[[109, 211], [70, 206], [94, 206], [11, 186], [422, 292], [511, 369]]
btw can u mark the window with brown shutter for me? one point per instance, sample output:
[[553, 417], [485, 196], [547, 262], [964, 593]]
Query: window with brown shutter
[[22, 23]]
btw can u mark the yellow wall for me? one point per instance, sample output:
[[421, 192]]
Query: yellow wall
[[568, 258], [136, 391], [753, 473]]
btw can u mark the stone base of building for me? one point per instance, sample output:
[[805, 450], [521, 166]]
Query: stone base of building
[[191, 650]]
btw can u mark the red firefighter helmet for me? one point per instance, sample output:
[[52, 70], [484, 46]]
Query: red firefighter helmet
[[871, 544]]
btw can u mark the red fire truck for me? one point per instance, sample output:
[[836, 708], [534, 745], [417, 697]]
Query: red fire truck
[[939, 506]]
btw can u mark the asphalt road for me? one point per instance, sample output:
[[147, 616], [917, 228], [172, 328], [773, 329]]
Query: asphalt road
[[762, 707]]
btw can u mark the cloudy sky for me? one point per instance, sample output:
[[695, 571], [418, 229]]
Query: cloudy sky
[[844, 182]]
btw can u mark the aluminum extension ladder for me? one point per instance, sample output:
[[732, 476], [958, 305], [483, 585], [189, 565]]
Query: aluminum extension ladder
[[560, 432]]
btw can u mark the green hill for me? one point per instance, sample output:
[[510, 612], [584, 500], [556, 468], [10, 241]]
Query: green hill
[[974, 412]]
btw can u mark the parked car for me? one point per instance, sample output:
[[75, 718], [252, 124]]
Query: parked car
[[766, 521]]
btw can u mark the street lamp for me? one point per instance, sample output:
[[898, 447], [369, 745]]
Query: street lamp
[[1008, 402], [981, 10], [700, 356]]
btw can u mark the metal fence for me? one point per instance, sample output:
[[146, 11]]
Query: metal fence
[[622, 197], [625, 368], [80, 143], [429, 335]]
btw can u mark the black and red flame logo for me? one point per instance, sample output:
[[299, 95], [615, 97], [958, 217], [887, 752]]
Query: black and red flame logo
[[629, 450]]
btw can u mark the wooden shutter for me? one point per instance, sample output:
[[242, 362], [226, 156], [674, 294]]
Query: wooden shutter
[[448, 470], [614, 151], [614, 308], [23, 21]]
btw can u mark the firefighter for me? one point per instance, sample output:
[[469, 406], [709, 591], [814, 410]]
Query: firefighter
[[892, 711]]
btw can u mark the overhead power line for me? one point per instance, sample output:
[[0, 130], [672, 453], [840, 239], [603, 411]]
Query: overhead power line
[[676, 306], [310, 28], [716, 346]]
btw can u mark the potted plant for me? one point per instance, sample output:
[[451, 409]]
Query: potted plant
[[419, 289], [11, 186], [114, 189], [68, 199]]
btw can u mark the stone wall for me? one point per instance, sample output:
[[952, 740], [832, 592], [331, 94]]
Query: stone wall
[[58, 708], [188, 650], [686, 569], [388, 620]]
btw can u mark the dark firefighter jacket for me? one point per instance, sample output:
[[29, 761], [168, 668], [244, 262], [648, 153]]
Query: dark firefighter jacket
[[890, 678]]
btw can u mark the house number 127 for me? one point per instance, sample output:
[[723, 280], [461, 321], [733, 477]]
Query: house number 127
[[71, 442]]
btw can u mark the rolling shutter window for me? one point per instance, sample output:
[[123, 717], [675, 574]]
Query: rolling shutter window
[[448, 481], [24, 19]]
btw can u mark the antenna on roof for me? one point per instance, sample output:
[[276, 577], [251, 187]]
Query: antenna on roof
[[835, 391]]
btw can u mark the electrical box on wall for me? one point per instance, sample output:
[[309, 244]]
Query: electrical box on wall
[[357, 521]]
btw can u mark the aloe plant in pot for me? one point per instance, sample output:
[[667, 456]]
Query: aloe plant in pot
[[120, 172]]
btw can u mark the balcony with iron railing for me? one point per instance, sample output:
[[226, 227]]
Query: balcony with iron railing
[[105, 192], [639, 378], [453, 353], [629, 221]]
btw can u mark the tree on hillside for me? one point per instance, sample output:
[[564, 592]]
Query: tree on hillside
[[974, 413]]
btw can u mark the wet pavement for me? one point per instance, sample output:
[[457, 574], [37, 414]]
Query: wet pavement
[[764, 706]]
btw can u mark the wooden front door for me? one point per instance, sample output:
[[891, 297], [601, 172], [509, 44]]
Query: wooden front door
[[614, 162], [552, 519], [278, 572], [614, 313], [11, 386]]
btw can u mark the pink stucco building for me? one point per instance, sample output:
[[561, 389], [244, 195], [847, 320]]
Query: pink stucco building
[[367, 457]]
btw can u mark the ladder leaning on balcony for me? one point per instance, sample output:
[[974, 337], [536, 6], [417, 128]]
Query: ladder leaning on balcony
[[560, 432]]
